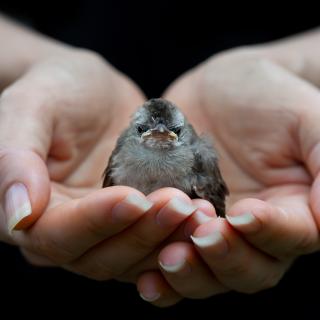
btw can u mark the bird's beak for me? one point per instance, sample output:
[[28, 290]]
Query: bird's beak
[[173, 136], [160, 132]]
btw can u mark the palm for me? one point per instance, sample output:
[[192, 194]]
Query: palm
[[90, 119], [260, 159], [83, 175], [80, 172], [256, 136]]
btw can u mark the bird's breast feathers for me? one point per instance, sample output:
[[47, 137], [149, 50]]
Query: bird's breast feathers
[[149, 170]]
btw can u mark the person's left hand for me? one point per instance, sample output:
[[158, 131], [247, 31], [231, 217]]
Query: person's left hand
[[269, 145]]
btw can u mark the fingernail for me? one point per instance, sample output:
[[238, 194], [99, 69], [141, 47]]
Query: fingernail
[[150, 296], [167, 217], [122, 212], [138, 201], [241, 220], [17, 205], [181, 206], [172, 268], [215, 239], [199, 218]]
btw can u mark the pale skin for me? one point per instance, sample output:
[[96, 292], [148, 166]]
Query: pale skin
[[261, 104], [60, 115], [251, 100]]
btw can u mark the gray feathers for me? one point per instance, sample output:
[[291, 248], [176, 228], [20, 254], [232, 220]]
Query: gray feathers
[[188, 162], [208, 183]]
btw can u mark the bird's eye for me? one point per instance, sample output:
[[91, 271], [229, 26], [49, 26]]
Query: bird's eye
[[176, 130], [141, 128]]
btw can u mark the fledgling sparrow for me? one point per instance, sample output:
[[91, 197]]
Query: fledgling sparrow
[[161, 149]]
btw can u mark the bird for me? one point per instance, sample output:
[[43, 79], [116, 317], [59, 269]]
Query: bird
[[160, 148]]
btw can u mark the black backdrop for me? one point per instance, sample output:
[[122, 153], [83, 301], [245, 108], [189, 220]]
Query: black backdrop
[[154, 42]]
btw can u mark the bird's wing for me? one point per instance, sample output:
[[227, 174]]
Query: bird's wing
[[107, 180], [209, 183], [107, 174]]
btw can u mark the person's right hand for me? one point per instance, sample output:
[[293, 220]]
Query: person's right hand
[[58, 125]]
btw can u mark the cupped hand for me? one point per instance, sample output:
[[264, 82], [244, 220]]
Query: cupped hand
[[58, 125], [106, 233], [264, 121]]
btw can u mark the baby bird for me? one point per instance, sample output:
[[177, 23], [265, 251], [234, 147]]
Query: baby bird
[[161, 149]]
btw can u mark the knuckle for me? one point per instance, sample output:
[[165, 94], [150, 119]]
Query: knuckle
[[210, 288], [270, 280], [264, 281], [256, 280], [141, 243], [93, 227], [53, 250], [90, 59], [231, 271], [31, 259], [12, 96], [95, 269], [256, 66], [87, 54], [35, 259], [307, 243], [22, 98]]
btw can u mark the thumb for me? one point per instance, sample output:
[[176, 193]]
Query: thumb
[[24, 187], [24, 179]]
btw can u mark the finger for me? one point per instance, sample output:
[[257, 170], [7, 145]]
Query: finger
[[114, 257], [204, 213], [282, 229], [153, 288], [24, 188], [186, 273], [24, 142], [234, 262], [67, 231]]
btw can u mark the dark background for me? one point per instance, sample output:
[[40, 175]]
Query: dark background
[[154, 42]]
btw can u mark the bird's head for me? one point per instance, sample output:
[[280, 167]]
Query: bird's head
[[159, 124]]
